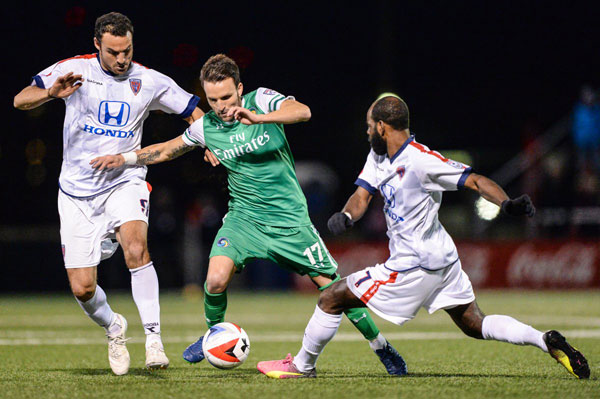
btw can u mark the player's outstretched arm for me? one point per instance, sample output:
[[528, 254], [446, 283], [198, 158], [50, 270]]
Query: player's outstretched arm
[[492, 192], [32, 96], [208, 155], [355, 208], [291, 111], [150, 155], [197, 113]]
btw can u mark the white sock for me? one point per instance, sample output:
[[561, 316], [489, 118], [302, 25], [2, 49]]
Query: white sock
[[319, 331], [506, 329], [144, 287], [97, 309], [378, 343]]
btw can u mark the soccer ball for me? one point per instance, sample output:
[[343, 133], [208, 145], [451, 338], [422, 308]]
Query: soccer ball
[[226, 345]]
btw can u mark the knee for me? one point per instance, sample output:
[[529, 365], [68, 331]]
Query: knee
[[136, 254], [216, 283], [83, 290], [329, 302]]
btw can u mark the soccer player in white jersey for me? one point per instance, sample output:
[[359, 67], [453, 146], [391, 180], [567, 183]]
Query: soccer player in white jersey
[[107, 98], [423, 269]]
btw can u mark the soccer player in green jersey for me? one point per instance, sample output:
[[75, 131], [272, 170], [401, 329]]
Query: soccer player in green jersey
[[268, 216]]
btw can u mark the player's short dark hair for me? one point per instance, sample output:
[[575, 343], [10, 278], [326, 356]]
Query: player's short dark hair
[[220, 67], [391, 110], [114, 23]]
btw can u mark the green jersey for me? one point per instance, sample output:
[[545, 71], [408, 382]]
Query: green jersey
[[261, 174]]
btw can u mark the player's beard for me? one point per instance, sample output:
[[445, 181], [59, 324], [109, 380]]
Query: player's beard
[[120, 69], [222, 115], [378, 144]]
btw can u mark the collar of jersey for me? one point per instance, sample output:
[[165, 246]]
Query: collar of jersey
[[109, 73], [406, 143]]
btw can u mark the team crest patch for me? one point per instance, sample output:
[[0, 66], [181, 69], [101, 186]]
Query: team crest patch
[[401, 171], [252, 109], [223, 242], [136, 85]]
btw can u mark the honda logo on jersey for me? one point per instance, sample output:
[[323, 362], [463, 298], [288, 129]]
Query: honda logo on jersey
[[113, 113], [388, 193]]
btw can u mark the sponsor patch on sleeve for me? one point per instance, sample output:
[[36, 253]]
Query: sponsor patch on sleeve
[[455, 164]]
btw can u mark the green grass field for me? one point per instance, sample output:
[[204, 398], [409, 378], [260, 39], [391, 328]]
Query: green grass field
[[50, 349]]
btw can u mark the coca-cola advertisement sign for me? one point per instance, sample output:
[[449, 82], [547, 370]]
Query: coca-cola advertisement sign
[[539, 264], [535, 264], [571, 265]]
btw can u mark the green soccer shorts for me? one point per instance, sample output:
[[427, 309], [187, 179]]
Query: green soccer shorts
[[297, 249]]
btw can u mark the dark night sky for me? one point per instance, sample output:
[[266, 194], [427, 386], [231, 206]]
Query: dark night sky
[[472, 73]]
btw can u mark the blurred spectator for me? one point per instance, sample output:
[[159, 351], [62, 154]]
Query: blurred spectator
[[373, 224], [555, 180], [533, 175], [531, 145], [585, 213], [202, 221], [586, 130], [164, 222], [319, 183]]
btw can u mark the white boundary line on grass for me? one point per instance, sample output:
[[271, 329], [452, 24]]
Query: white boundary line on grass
[[282, 337], [27, 320]]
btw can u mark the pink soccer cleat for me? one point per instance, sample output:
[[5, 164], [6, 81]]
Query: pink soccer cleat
[[284, 369]]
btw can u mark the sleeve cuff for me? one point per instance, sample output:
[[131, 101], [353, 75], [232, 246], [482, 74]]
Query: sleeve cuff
[[364, 184], [190, 141], [277, 103], [39, 82], [190, 107], [463, 178]]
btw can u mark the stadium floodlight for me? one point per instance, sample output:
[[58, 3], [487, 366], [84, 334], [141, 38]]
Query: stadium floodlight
[[485, 209], [386, 94]]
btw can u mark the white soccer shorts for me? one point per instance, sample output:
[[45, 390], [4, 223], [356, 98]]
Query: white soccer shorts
[[86, 222], [398, 296]]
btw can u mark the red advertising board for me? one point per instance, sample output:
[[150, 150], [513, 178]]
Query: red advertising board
[[544, 264]]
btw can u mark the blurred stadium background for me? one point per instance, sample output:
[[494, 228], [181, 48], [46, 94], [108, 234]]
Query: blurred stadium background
[[498, 87]]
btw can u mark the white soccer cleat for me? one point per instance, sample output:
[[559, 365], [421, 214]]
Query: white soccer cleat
[[156, 357], [118, 356]]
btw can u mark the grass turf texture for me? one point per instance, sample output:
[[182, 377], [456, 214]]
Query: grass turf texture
[[50, 349]]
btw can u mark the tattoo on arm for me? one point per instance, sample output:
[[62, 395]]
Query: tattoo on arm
[[155, 156], [176, 152], [147, 158]]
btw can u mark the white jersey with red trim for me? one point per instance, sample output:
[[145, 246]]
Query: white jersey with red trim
[[105, 116], [411, 183]]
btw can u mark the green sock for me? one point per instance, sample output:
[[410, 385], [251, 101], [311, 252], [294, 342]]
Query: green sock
[[362, 320], [215, 306]]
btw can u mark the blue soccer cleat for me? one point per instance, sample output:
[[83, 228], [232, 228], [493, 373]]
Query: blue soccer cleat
[[194, 353], [391, 359]]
